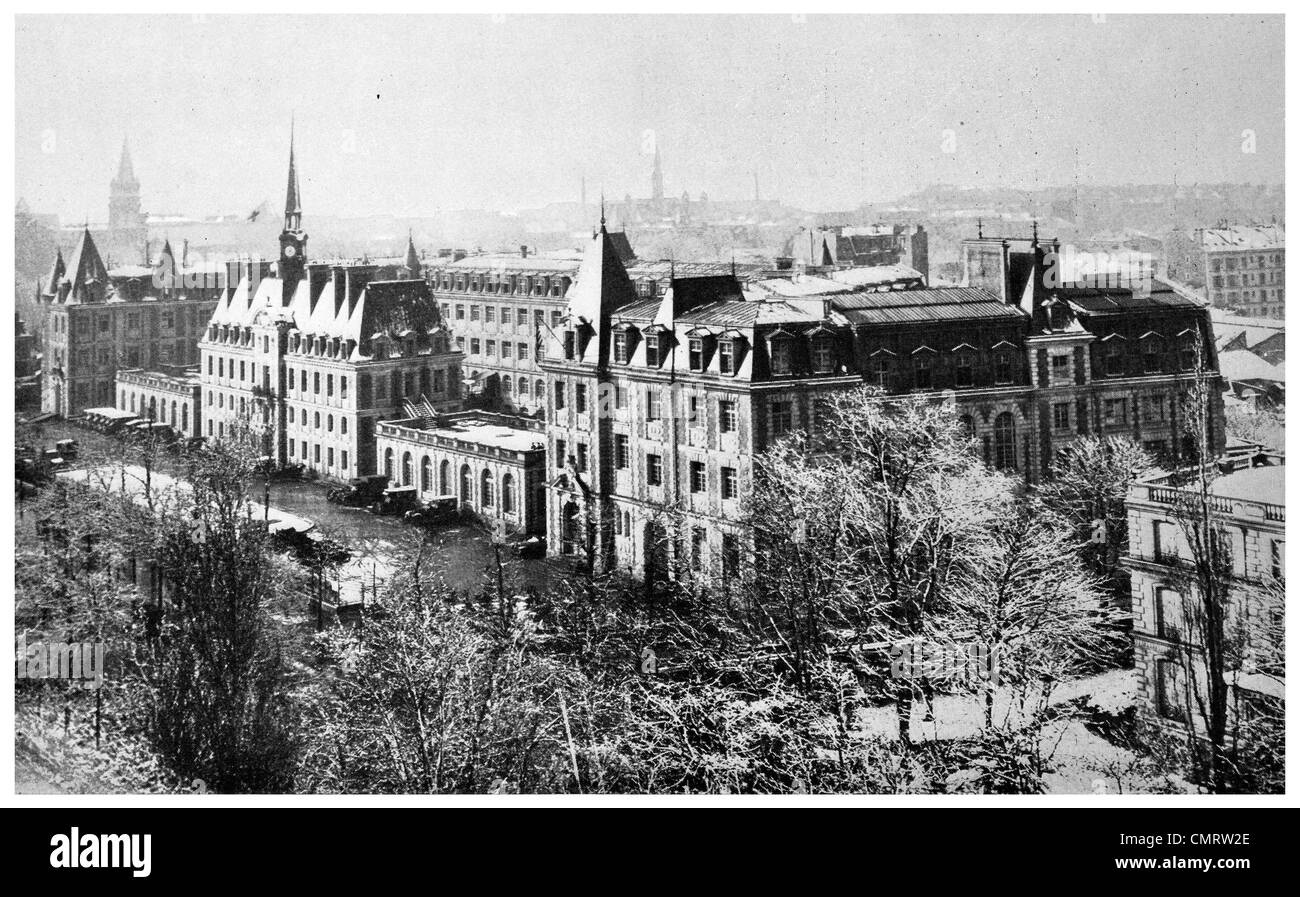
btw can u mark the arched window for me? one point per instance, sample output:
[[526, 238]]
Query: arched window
[[426, 475], [507, 494], [523, 387], [153, 408], [173, 413], [466, 485], [539, 388], [185, 417], [407, 477], [486, 496], [444, 478], [1004, 441], [967, 425], [388, 463]]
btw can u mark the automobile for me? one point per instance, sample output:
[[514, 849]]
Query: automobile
[[360, 492], [396, 500], [532, 547], [439, 509], [267, 468]]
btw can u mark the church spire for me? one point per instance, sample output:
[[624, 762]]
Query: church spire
[[292, 199], [412, 257], [125, 170], [657, 178]]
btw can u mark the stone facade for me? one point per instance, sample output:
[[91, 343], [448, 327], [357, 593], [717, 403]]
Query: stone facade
[[656, 406], [1245, 269], [1247, 507], [494, 464], [308, 358], [101, 321], [171, 399]]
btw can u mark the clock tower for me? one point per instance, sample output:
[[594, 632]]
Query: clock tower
[[293, 242]]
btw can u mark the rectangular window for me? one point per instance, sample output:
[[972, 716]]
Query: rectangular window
[[505, 350], [780, 352], [1061, 416], [1002, 367], [965, 372], [780, 418], [460, 312], [620, 347], [726, 357], [580, 398], [1115, 411], [922, 371], [730, 555], [652, 350], [727, 416], [492, 348], [621, 454], [654, 470], [1153, 408], [523, 351], [582, 457], [620, 395], [695, 348], [697, 476], [559, 396], [473, 312], [653, 404], [490, 314], [561, 449], [474, 346], [730, 486]]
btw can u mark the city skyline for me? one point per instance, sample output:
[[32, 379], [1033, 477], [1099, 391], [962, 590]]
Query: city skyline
[[893, 104]]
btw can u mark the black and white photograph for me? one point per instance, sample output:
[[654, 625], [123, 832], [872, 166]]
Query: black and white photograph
[[734, 407]]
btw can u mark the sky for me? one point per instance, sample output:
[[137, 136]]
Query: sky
[[409, 116]]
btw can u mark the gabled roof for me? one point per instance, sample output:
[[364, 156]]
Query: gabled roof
[[86, 272]]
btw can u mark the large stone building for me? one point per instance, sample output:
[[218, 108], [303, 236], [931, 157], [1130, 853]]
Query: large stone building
[[499, 306], [102, 320], [661, 403], [309, 357], [1245, 268], [1247, 507]]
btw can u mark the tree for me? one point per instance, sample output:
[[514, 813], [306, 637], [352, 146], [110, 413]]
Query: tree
[[1037, 610], [1087, 490], [864, 528], [428, 696], [216, 704]]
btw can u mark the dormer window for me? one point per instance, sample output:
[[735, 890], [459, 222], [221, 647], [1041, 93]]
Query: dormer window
[[1002, 367], [823, 354], [695, 348], [780, 350], [727, 357], [620, 347], [882, 368], [1152, 345], [1115, 356], [964, 370], [652, 350]]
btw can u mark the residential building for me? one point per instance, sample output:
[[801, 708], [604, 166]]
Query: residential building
[[871, 246], [1246, 506], [1245, 268], [656, 406]]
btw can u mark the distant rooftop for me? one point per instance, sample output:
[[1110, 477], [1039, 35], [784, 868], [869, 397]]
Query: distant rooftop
[[1244, 236]]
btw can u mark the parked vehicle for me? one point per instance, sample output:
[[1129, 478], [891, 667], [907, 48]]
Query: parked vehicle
[[360, 492], [532, 547], [396, 500], [278, 473], [67, 449], [437, 510]]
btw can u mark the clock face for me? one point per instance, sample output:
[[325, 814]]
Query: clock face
[[290, 251]]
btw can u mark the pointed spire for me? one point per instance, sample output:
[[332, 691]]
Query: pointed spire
[[86, 271], [412, 257], [292, 199], [125, 170], [602, 209]]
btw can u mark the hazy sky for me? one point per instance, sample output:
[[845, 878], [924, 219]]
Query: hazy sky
[[410, 115]]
